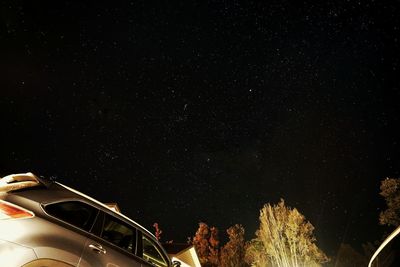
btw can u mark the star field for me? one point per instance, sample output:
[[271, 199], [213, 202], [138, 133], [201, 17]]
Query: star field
[[205, 110]]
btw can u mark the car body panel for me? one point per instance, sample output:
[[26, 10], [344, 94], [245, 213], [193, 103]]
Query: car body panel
[[45, 238], [48, 239], [14, 255], [47, 263], [113, 256]]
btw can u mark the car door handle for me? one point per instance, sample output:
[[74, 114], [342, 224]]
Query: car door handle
[[97, 248]]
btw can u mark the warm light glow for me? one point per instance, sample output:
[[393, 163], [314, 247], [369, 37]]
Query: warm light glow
[[384, 243], [11, 211]]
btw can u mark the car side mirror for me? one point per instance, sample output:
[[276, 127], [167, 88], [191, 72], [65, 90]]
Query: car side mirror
[[176, 264]]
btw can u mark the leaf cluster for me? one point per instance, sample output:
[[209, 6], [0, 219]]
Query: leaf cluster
[[390, 190], [284, 239]]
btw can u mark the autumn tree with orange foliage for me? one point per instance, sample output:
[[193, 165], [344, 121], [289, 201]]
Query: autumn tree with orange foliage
[[233, 253], [206, 243], [284, 239], [157, 232], [213, 257]]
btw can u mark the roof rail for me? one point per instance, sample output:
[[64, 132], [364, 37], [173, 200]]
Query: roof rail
[[14, 182]]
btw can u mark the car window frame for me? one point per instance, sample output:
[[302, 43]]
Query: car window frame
[[98, 228], [158, 247], [93, 232], [68, 224]]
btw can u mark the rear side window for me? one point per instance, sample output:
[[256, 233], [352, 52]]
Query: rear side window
[[76, 213]]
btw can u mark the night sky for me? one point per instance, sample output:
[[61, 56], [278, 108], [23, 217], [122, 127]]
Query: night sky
[[189, 111]]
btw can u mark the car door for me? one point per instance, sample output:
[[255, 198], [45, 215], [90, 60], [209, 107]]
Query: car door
[[63, 235], [113, 243]]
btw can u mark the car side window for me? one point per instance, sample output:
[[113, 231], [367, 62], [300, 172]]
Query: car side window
[[76, 213], [119, 233], [152, 254]]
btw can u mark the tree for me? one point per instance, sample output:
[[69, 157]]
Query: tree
[[233, 253], [255, 255], [213, 241], [200, 242], [390, 190], [206, 243], [158, 231], [284, 239]]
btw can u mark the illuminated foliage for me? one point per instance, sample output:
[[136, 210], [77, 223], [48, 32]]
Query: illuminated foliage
[[213, 257], [390, 190], [157, 232], [206, 243], [284, 239], [233, 253]]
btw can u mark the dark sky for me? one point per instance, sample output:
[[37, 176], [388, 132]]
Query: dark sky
[[193, 111]]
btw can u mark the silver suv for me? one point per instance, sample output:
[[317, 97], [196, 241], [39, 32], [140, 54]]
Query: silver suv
[[45, 223]]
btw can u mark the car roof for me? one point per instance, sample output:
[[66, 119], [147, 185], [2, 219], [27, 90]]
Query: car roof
[[45, 191], [104, 207]]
